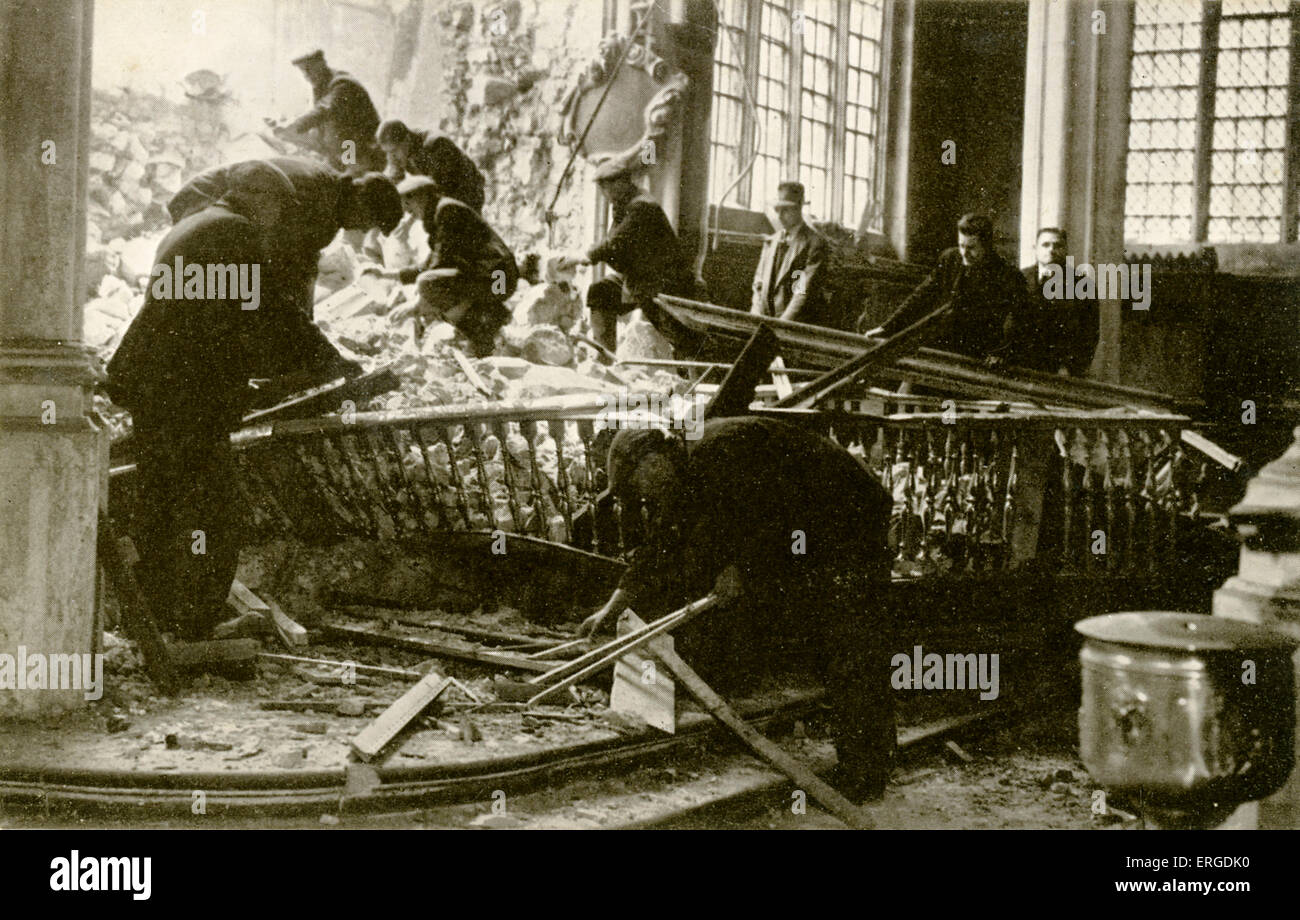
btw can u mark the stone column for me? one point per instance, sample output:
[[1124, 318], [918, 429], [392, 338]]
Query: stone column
[[1266, 590], [1076, 140], [51, 451]]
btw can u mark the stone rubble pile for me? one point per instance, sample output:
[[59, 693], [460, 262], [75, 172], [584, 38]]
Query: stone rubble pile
[[144, 147]]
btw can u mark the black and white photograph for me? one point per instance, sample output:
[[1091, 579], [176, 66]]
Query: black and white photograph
[[714, 415]]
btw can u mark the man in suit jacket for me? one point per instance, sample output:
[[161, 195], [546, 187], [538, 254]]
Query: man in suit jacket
[[788, 280], [324, 201], [341, 113], [721, 511], [986, 294], [1054, 335], [427, 153], [183, 369], [643, 248]]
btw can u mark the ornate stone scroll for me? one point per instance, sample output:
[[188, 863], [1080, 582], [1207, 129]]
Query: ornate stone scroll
[[644, 102]]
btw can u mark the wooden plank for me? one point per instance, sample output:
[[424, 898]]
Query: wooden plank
[[799, 774], [622, 643], [434, 649], [881, 355], [1224, 458], [823, 347], [781, 378], [342, 665], [468, 370], [737, 389], [487, 636], [379, 733], [118, 556], [328, 397], [242, 598]]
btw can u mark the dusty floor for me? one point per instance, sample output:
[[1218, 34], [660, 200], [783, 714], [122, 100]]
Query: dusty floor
[[1023, 774]]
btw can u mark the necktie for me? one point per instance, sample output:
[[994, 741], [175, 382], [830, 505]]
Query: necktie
[[777, 258]]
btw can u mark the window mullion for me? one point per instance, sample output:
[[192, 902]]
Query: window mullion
[[839, 115], [748, 129], [795, 81], [1291, 161], [1205, 120]]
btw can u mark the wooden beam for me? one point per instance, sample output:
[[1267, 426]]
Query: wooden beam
[[118, 556], [799, 774], [379, 733], [502, 660], [338, 600], [887, 352], [342, 665], [626, 642], [468, 370], [291, 633], [328, 397], [193, 655], [737, 389]]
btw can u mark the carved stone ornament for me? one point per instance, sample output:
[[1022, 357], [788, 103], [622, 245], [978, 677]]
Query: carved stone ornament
[[643, 104]]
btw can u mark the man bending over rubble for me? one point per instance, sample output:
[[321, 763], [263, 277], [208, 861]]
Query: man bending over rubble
[[427, 153], [789, 530], [470, 272], [183, 369], [324, 202]]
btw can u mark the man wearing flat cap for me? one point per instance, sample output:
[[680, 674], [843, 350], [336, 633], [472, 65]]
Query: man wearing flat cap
[[791, 269], [323, 202], [427, 153], [644, 250], [342, 116], [470, 272]]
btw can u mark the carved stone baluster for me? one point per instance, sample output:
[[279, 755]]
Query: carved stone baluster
[[343, 464], [442, 522], [1150, 516], [906, 527], [949, 505], [1126, 518], [1011, 448], [1174, 500], [928, 509], [508, 480], [462, 494], [1108, 498], [556, 430], [1068, 555], [587, 434], [488, 506], [965, 480]]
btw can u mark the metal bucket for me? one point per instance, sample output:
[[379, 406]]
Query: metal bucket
[[1186, 711]]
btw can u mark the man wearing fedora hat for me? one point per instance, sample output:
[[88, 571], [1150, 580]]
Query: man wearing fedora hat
[[788, 280], [341, 113]]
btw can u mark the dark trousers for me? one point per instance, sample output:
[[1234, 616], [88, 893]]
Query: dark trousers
[[838, 614], [186, 526], [605, 300]]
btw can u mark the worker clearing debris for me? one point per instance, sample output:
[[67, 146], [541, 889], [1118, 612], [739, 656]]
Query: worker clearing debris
[[788, 531], [183, 369], [325, 201], [470, 272]]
